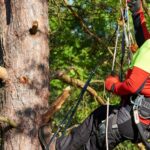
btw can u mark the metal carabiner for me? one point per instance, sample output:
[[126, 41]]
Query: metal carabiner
[[137, 101]]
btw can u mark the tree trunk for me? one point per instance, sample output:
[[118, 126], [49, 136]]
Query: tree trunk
[[25, 50]]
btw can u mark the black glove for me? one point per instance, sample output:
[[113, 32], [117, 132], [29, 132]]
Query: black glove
[[134, 5]]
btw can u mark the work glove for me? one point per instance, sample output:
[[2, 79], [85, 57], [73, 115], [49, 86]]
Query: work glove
[[134, 5], [110, 81]]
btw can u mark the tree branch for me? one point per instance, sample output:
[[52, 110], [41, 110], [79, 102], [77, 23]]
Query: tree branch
[[60, 75], [83, 25], [85, 28], [56, 105], [8, 121]]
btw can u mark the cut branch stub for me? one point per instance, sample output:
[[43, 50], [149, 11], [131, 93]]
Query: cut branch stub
[[34, 29], [3, 74], [56, 105]]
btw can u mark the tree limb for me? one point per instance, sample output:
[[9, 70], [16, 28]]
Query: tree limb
[[85, 28], [56, 105], [8, 121], [97, 81], [83, 25], [60, 75]]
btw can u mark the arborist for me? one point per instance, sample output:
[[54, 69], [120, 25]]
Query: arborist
[[129, 121]]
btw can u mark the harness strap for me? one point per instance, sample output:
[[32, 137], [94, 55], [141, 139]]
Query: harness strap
[[136, 105], [114, 121], [146, 104], [140, 129]]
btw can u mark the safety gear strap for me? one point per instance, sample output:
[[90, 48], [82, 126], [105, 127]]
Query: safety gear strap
[[136, 105]]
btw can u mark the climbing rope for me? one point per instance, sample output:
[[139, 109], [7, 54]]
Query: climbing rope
[[112, 73], [107, 121], [127, 40], [115, 50]]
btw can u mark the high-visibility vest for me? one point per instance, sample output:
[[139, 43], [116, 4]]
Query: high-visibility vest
[[141, 58]]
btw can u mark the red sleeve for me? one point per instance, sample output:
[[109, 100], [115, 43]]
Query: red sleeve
[[141, 31], [132, 84], [144, 27]]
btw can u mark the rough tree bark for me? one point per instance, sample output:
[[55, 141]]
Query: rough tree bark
[[25, 53]]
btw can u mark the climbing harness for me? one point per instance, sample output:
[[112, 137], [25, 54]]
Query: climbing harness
[[141, 108]]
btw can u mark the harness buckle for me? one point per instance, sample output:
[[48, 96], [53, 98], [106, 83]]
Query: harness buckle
[[137, 102]]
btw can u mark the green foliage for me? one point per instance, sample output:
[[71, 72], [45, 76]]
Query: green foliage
[[126, 145]]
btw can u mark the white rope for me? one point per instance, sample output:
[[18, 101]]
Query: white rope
[[128, 35], [115, 50], [128, 39], [113, 65], [125, 26], [108, 97], [107, 123], [128, 23]]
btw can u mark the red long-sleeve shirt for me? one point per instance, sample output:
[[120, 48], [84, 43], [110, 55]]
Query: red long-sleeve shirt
[[137, 80], [140, 27]]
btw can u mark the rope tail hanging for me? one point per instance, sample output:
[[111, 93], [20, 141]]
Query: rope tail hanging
[[115, 50], [112, 73]]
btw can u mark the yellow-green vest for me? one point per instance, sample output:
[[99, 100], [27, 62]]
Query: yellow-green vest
[[141, 58]]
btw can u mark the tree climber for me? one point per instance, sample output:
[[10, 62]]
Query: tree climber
[[90, 135]]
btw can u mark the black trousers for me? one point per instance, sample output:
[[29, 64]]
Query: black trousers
[[88, 136]]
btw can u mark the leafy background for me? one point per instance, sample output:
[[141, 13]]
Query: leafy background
[[76, 52]]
